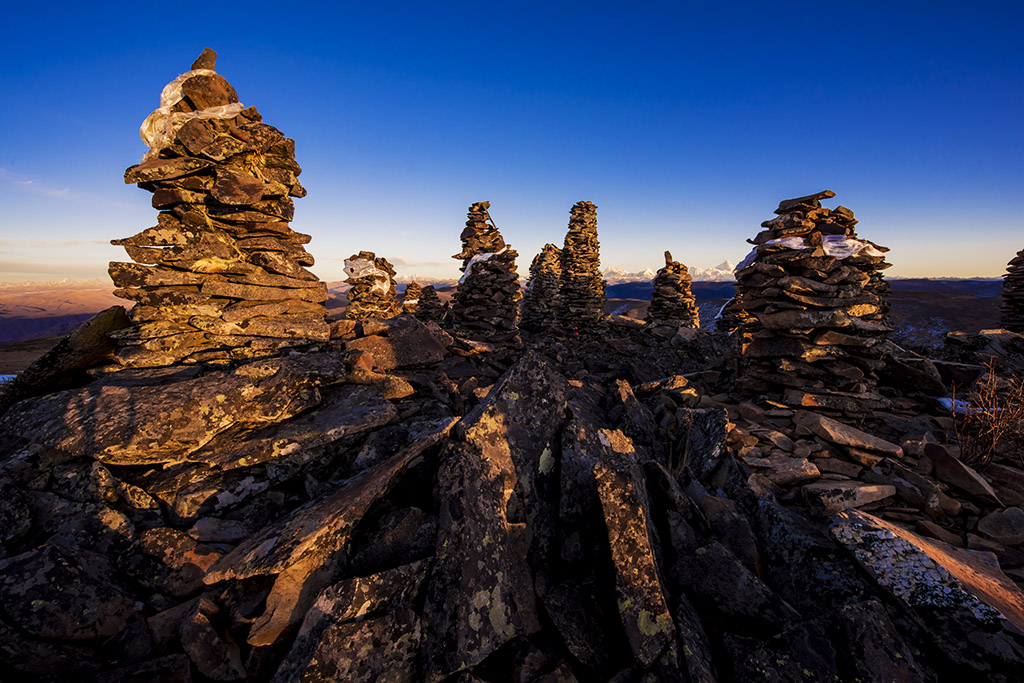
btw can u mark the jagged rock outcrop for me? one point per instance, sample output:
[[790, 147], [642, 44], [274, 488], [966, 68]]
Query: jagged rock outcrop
[[221, 277], [581, 291], [486, 303], [430, 308], [411, 297], [672, 302], [372, 292], [1012, 305], [808, 332], [540, 302]]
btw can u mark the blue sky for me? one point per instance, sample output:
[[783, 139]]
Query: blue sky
[[685, 123]]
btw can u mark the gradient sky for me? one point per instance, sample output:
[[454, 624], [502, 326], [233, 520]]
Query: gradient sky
[[685, 123]]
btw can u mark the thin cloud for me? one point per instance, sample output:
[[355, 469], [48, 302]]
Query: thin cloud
[[28, 185]]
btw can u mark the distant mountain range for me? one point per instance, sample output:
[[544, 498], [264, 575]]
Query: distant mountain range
[[720, 273]]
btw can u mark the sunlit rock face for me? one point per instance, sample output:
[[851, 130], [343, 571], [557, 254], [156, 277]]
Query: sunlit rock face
[[372, 292], [809, 301], [221, 277]]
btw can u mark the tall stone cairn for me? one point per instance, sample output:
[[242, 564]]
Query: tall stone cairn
[[486, 302], [372, 293], [807, 329], [1012, 305], [222, 276], [411, 297], [540, 303], [673, 302], [581, 291], [430, 309]]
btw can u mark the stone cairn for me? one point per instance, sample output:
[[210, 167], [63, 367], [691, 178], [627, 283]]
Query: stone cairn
[[430, 309], [372, 293], [581, 290], [411, 297], [1012, 306], [486, 302], [673, 302], [540, 303], [222, 276], [806, 311]]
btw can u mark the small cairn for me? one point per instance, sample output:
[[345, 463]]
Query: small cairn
[[540, 303], [1012, 306], [411, 297], [430, 309], [807, 312], [221, 277], [372, 293], [486, 302], [672, 302], [582, 290]]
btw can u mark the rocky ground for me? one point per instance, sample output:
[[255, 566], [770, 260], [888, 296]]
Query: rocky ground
[[405, 505]]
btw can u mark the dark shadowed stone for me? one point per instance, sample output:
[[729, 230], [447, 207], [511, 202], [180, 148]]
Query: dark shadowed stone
[[580, 513], [695, 647], [641, 599], [574, 610], [749, 659], [1004, 526], [731, 528], [210, 648], [701, 439], [795, 555], [345, 411], [316, 650], [480, 594], [385, 649], [715, 577], [972, 611], [950, 470], [400, 349], [35, 658], [88, 526], [162, 424], [64, 594], [169, 669], [403, 535], [854, 643], [168, 561], [305, 548], [15, 517]]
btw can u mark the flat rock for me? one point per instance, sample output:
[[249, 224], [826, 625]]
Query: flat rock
[[1004, 526], [168, 561], [786, 471], [135, 425], [236, 188], [841, 434], [829, 497], [954, 472], [411, 348]]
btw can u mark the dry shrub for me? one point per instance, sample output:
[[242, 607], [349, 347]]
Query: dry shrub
[[993, 420]]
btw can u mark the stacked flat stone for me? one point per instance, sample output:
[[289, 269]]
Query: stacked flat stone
[[540, 303], [411, 297], [581, 291], [430, 309], [222, 276], [807, 327], [372, 292], [672, 302], [1012, 305], [486, 303]]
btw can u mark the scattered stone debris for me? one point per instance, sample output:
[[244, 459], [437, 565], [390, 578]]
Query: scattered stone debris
[[809, 332], [411, 297], [372, 292], [486, 304], [581, 291], [1012, 308], [672, 302], [540, 302], [221, 277]]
